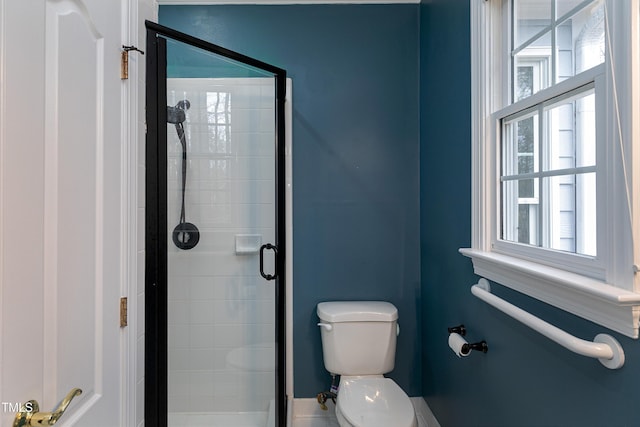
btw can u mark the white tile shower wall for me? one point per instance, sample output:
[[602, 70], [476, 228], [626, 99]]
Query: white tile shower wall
[[221, 311]]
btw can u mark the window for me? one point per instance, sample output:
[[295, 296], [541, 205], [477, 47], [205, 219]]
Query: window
[[548, 178], [555, 89]]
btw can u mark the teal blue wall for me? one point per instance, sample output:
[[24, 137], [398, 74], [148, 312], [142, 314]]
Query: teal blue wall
[[355, 157], [382, 202], [524, 379]]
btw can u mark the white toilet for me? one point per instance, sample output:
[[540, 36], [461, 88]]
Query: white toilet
[[359, 344]]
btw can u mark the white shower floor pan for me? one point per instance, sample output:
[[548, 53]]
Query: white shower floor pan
[[218, 419]]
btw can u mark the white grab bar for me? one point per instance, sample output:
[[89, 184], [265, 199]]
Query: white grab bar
[[604, 347]]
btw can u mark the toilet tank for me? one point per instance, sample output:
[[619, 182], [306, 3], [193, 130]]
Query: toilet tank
[[358, 337]]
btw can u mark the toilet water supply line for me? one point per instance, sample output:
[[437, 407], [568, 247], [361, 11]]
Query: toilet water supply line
[[326, 395], [604, 347]]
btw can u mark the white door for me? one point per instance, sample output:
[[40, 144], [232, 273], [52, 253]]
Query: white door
[[61, 269]]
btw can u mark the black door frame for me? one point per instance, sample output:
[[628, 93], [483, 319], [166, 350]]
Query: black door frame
[[156, 234]]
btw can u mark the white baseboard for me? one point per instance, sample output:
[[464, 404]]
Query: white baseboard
[[289, 412], [310, 408], [423, 413]]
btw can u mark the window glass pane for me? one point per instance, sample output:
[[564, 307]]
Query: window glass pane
[[564, 41], [526, 188], [532, 67], [532, 16], [571, 133], [546, 50], [520, 212], [562, 208], [570, 203], [569, 220], [548, 181], [524, 81], [586, 216], [519, 195], [565, 6], [580, 42], [520, 146]]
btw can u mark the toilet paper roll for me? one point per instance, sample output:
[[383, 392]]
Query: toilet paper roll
[[459, 345]]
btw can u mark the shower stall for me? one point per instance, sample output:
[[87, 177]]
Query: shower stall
[[215, 236]]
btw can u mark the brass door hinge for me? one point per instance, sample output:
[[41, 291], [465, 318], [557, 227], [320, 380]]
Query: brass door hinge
[[123, 312], [124, 60]]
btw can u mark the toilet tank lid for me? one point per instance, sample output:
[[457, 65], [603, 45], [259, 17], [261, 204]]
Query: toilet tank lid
[[357, 311]]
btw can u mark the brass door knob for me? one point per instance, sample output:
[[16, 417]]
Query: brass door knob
[[30, 414]]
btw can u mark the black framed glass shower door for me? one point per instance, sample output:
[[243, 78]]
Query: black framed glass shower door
[[215, 235]]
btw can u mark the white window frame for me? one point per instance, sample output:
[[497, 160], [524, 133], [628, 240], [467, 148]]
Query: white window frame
[[606, 291], [584, 265]]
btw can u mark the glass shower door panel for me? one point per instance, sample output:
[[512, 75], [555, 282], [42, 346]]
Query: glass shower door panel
[[221, 195]]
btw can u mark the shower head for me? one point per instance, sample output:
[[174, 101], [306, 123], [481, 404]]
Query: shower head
[[177, 114]]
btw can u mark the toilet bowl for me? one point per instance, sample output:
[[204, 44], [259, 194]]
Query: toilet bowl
[[359, 344], [373, 401]]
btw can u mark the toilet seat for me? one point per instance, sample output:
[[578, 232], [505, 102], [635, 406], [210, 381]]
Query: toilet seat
[[374, 402]]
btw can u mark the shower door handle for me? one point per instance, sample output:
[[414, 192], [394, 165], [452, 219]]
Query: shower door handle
[[268, 246]]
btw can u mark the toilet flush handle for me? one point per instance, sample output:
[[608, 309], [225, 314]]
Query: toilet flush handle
[[327, 327]]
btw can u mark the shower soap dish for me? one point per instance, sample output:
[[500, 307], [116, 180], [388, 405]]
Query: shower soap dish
[[248, 243]]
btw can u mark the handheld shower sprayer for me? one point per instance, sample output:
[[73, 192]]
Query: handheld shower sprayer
[[178, 114], [185, 235]]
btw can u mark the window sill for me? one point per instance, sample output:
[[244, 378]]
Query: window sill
[[601, 303]]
